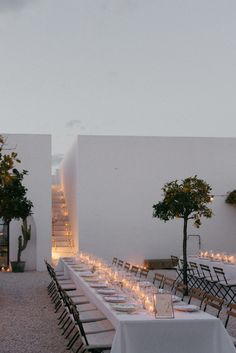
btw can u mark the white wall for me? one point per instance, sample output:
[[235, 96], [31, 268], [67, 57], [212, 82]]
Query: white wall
[[34, 151], [69, 181], [120, 178]]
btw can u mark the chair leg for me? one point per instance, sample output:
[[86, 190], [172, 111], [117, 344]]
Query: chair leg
[[65, 323], [62, 316], [66, 328], [73, 340], [69, 333]]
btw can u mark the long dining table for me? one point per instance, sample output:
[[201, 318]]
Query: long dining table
[[229, 269], [141, 332]]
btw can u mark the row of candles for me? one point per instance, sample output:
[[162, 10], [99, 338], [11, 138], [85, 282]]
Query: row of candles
[[142, 292], [217, 256]]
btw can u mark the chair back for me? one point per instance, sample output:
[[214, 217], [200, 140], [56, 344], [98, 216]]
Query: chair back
[[158, 277], [120, 263], [231, 311], [143, 272], [134, 269], [197, 293], [220, 274], [174, 260], [76, 317], [182, 288], [167, 281], [194, 268], [214, 302], [206, 271], [114, 260], [127, 266]]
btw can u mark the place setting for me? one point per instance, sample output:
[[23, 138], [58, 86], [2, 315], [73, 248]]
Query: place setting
[[189, 308], [98, 285], [116, 298], [107, 291]]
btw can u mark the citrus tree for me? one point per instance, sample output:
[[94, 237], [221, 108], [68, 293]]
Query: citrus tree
[[8, 160], [231, 198], [14, 203], [188, 200]]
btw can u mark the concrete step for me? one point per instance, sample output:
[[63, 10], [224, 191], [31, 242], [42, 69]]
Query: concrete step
[[57, 217], [64, 250], [61, 224], [60, 219], [59, 213], [59, 206], [62, 234], [58, 203], [59, 227], [60, 216], [61, 238], [59, 233], [62, 245], [61, 252]]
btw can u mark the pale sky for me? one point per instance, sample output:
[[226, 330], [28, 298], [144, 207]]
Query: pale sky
[[119, 67]]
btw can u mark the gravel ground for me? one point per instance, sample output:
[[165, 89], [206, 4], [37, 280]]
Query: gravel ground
[[28, 323]]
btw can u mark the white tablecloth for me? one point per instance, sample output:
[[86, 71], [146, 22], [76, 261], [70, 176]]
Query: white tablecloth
[[196, 332], [229, 269]]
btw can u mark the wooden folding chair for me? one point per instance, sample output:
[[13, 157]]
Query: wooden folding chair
[[169, 282], [180, 287], [197, 293], [158, 279], [114, 261], [120, 263], [90, 336], [134, 269], [143, 272], [226, 287], [214, 302], [209, 280], [127, 266]]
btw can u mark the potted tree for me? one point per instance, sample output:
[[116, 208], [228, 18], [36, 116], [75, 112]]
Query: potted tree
[[14, 203], [188, 200]]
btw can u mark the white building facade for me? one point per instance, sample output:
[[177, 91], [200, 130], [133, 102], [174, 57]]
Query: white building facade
[[111, 182]]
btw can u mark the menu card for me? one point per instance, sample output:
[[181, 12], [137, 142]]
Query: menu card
[[163, 306]]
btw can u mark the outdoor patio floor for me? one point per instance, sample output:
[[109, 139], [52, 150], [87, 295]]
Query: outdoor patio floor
[[28, 322]]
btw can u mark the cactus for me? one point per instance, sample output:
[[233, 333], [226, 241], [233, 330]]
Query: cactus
[[24, 238]]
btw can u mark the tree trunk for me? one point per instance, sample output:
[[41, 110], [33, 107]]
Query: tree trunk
[[185, 264]]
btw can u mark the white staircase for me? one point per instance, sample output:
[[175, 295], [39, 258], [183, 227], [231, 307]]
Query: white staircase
[[62, 240]]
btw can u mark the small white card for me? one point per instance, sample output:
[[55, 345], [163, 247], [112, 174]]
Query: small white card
[[163, 306]]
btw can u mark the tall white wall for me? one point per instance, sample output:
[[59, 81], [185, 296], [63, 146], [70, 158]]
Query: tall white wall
[[120, 178], [69, 181], [34, 151]]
